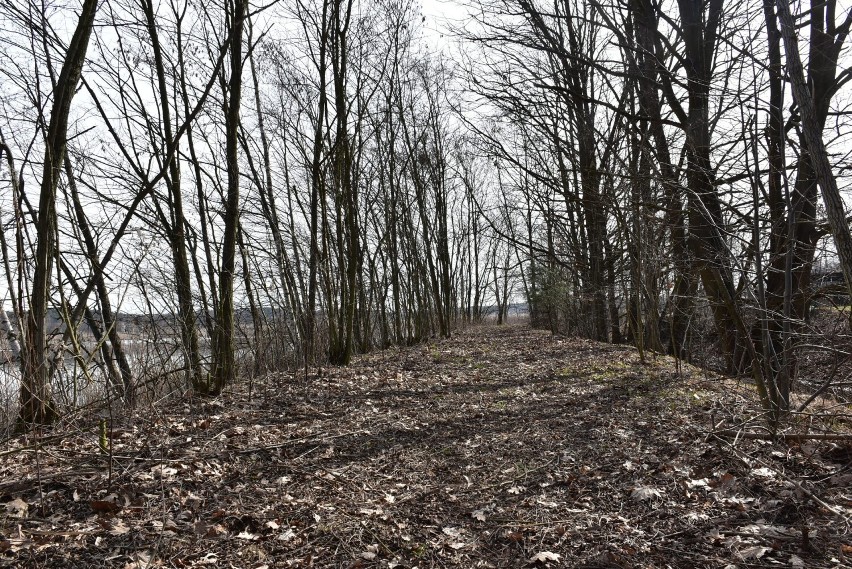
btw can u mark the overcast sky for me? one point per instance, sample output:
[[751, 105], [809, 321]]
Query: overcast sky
[[440, 14]]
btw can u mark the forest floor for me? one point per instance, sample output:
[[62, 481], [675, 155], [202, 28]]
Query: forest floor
[[501, 447]]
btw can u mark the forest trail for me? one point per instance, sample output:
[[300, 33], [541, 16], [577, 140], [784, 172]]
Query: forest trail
[[501, 447]]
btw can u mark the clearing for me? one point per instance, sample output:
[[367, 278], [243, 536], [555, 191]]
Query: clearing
[[502, 447]]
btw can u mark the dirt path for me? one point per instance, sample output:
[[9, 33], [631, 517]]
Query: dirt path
[[502, 447]]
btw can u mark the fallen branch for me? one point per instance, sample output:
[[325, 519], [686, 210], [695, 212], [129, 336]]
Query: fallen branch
[[816, 499], [303, 440], [786, 437]]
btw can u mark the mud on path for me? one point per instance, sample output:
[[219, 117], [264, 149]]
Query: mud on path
[[501, 447]]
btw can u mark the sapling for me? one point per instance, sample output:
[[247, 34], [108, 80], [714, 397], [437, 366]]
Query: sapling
[[102, 439]]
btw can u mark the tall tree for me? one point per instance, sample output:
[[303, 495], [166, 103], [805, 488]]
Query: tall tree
[[223, 369], [796, 236], [36, 403], [174, 221]]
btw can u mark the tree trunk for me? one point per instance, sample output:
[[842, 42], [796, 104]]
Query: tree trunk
[[815, 147], [110, 322], [36, 401], [223, 369], [794, 239], [175, 226]]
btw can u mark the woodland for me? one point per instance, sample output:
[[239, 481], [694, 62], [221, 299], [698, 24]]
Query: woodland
[[357, 283]]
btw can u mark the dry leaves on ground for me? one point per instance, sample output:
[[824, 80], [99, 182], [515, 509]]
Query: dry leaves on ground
[[502, 447]]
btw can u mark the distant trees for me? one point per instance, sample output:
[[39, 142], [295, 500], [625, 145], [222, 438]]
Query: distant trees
[[542, 82]]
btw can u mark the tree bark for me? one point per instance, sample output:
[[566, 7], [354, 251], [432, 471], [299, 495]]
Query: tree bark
[[175, 227], [223, 369], [812, 133], [37, 405]]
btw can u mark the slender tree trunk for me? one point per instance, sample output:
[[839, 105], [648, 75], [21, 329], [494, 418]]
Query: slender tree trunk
[[128, 385], [13, 328], [317, 226], [176, 225], [223, 369], [684, 289], [705, 210], [286, 275], [36, 402]]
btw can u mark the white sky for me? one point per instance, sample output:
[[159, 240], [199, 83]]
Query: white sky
[[441, 14]]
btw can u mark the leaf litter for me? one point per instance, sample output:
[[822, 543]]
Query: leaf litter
[[501, 447]]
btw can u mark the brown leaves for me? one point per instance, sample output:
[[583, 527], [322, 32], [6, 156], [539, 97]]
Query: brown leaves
[[645, 493], [104, 506], [17, 508], [499, 448]]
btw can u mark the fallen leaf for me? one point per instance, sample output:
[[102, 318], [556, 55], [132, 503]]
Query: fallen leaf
[[725, 484], [141, 560], [755, 552], [478, 515], [544, 557], [119, 528], [161, 471], [287, 535], [17, 508], [104, 506], [763, 472], [217, 530], [771, 531], [642, 493], [810, 450], [515, 536]]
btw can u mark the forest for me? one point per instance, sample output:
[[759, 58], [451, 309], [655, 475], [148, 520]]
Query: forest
[[252, 198], [279, 185]]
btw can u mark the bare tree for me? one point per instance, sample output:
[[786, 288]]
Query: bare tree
[[223, 370], [36, 401]]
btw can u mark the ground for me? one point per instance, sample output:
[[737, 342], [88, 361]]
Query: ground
[[501, 447]]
